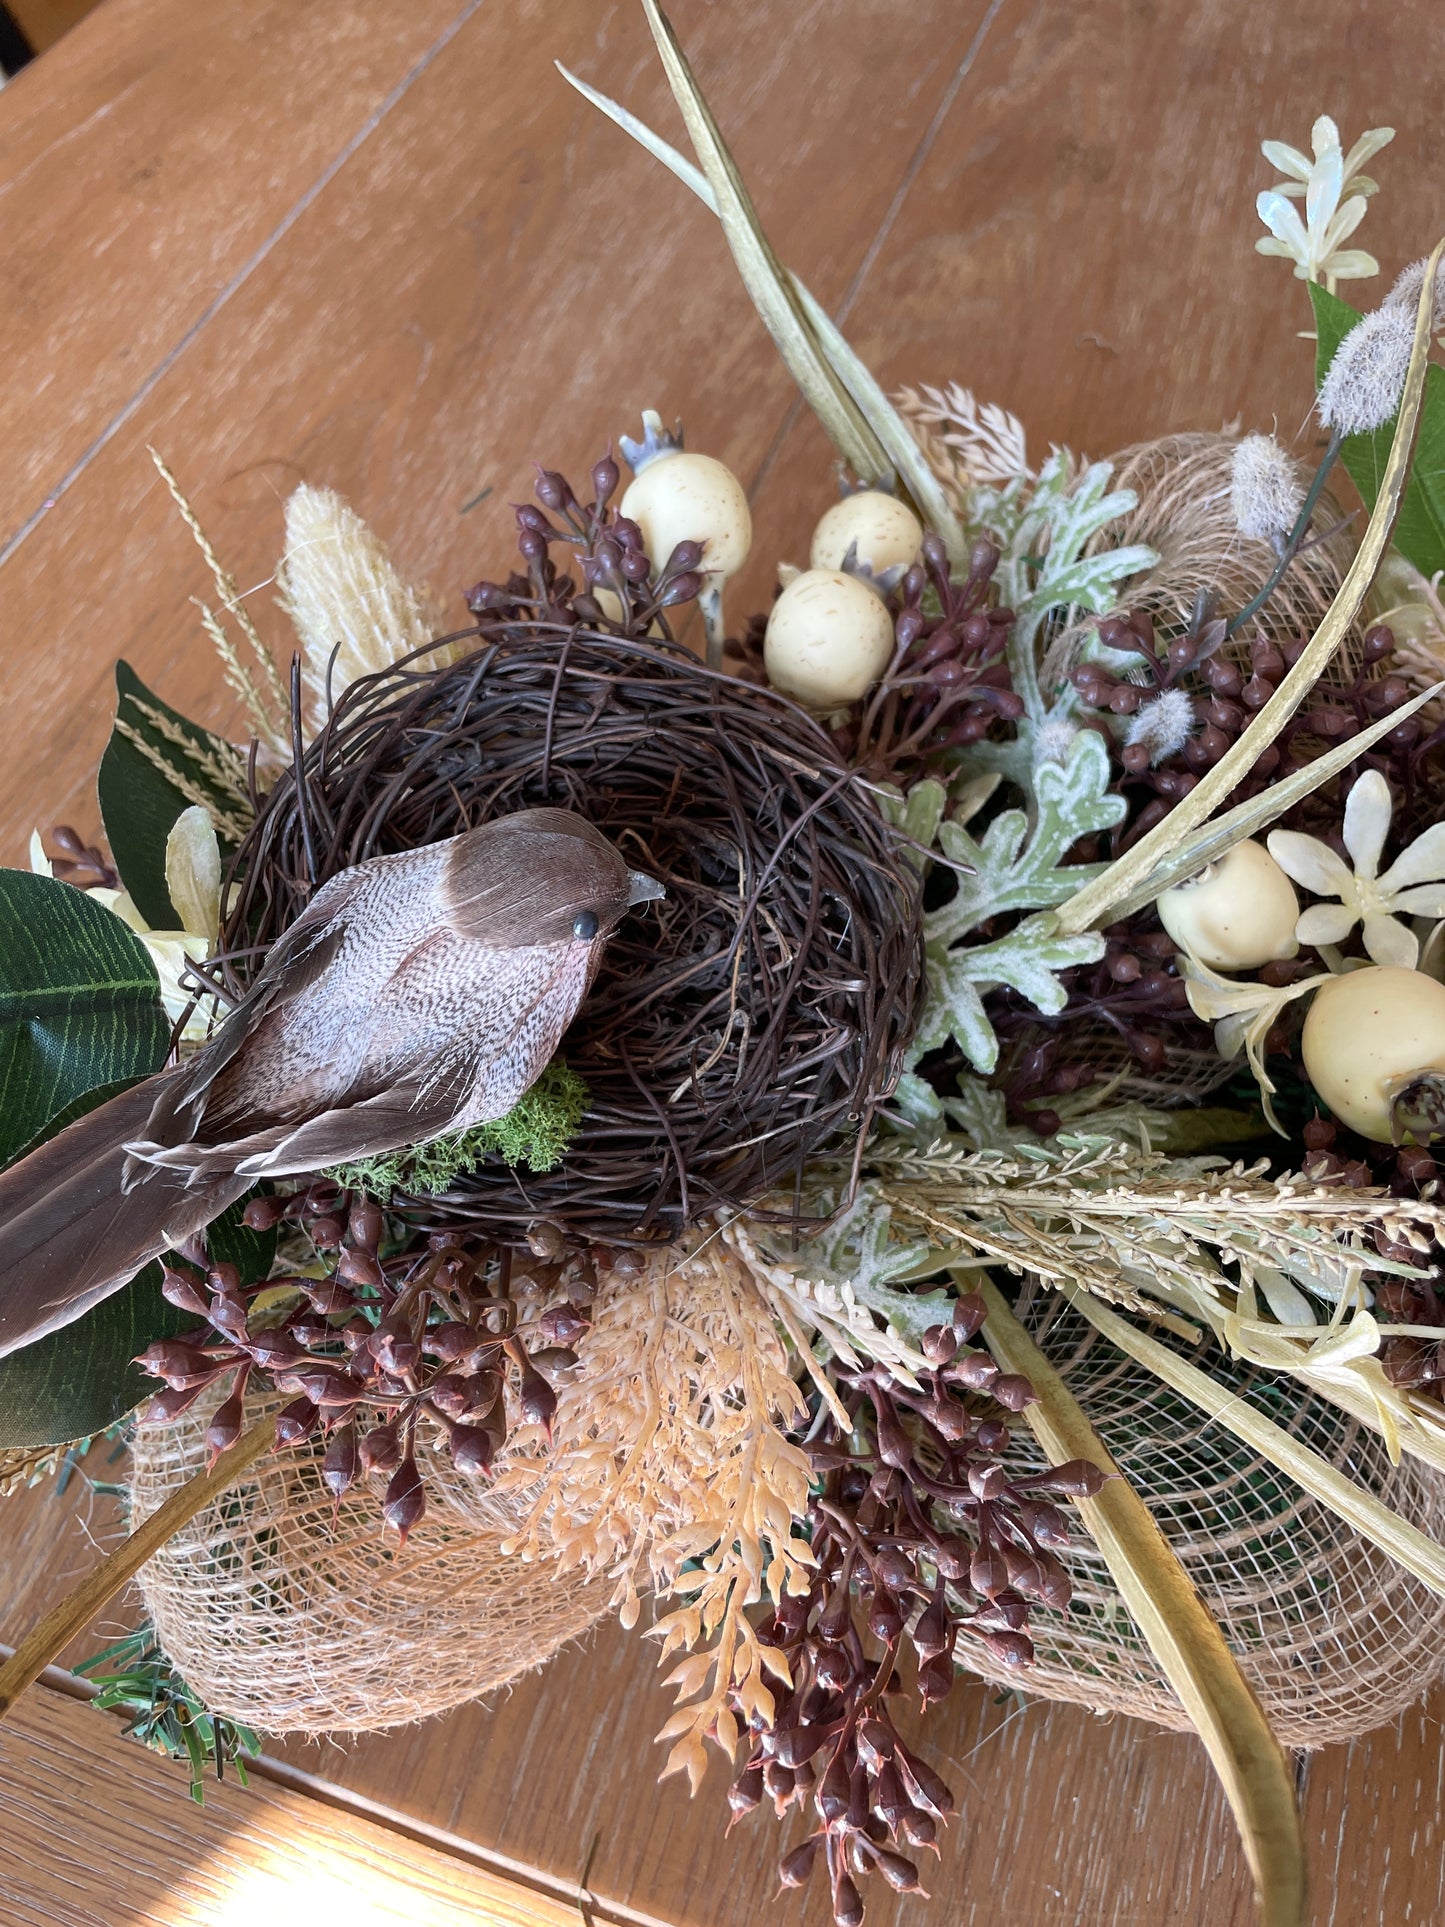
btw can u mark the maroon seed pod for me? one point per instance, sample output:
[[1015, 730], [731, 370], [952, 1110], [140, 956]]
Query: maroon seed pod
[[933, 1634], [1014, 1650], [545, 1239], [366, 1224], [262, 1214], [777, 1783], [795, 1867], [452, 1341], [745, 1794], [328, 1296], [1009, 1610], [988, 1482], [900, 1873], [181, 1364], [927, 1789], [274, 1350], [179, 1288], [605, 477], [936, 1679], [360, 1267], [1013, 1392], [831, 1799], [993, 1436], [405, 1500], [975, 1371], [885, 1621], [341, 1467], [170, 1404], [952, 1557], [939, 1343], [536, 1401], [894, 1569], [1054, 1587], [380, 1449], [948, 1418], [395, 1350], [795, 1744], [919, 1829], [225, 1426], [832, 1668], [875, 1743], [893, 1446], [968, 1315], [325, 1232], [1025, 1573], [890, 1802], [473, 1448], [987, 1572], [296, 1421], [1074, 1479], [228, 1315]]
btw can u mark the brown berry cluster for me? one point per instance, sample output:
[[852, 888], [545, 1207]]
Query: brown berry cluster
[[619, 592], [948, 683], [442, 1331], [924, 1540], [1225, 693]]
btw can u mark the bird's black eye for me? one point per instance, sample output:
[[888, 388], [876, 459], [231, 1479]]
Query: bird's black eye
[[585, 924]]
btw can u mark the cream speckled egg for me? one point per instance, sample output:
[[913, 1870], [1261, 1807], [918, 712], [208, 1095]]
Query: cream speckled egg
[[1369, 1034], [886, 530], [829, 639], [1237, 913], [683, 497]]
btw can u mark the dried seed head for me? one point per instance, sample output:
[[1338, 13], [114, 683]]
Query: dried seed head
[[1264, 489], [1362, 390]]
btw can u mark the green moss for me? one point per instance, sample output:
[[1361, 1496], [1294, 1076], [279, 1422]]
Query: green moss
[[536, 1132]]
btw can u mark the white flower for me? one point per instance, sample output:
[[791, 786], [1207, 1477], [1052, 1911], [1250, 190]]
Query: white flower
[[193, 880], [1264, 489], [1334, 193], [1413, 886], [1366, 379]]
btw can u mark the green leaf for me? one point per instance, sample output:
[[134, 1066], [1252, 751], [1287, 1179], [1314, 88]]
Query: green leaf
[[1420, 528], [81, 1379], [79, 1003], [155, 765]]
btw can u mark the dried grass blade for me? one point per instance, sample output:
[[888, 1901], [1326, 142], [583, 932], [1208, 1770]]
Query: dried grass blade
[[883, 418], [1181, 1632], [763, 274], [1245, 818], [73, 1613], [1098, 900], [1405, 1543]]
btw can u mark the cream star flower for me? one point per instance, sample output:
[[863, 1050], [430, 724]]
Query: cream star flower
[[1334, 192], [1413, 886]]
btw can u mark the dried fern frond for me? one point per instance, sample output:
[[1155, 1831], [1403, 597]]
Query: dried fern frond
[[965, 441], [671, 1466]]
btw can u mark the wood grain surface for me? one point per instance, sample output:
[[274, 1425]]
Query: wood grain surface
[[385, 248]]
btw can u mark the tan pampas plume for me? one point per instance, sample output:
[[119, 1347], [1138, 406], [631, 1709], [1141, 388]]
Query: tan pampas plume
[[1185, 511], [352, 611], [671, 1467]]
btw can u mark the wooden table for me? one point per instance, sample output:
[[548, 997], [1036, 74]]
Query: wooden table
[[383, 247]]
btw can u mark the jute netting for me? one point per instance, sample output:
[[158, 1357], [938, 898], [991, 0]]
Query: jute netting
[[1334, 1637], [289, 1612]]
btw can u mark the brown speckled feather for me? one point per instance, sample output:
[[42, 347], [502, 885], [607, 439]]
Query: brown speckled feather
[[417, 994]]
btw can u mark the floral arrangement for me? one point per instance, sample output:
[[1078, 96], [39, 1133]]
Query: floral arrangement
[[1047, 904]]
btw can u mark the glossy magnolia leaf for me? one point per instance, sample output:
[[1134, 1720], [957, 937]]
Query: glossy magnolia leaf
[[155, 765], [79, 1004], [1420, 529]]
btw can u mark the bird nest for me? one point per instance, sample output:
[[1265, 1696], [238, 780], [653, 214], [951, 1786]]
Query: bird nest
[[756, 1014]]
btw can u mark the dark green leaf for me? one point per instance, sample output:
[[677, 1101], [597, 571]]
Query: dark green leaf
[[81, 1379], [144, 785], [79, 1003], [1420, 528]]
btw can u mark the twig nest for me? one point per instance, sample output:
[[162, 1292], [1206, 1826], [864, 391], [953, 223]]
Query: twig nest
[[829, 638], [757, 1013], [882, 532], [1237, 914], [677, 496], [1374, 1050]]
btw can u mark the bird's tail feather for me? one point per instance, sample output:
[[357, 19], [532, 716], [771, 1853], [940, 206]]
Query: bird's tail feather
[[70, 1231]]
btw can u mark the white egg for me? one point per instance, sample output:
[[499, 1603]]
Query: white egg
[[887, 532], [1369, 1034], [829, 639], [683, 497], [1237, 913]]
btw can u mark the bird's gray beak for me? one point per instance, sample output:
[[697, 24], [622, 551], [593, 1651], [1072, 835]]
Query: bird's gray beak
[[642, 888]]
